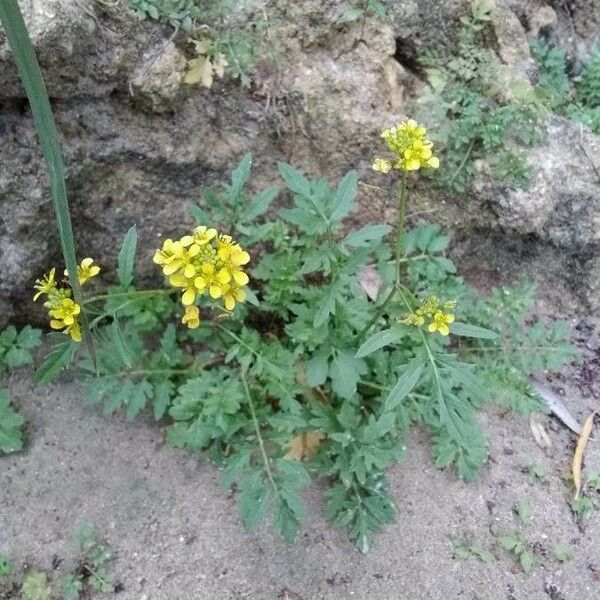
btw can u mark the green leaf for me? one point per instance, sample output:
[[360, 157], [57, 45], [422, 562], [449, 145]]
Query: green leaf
[[343, 200], [352, 15], [563, 553], [29, 337], [137, 400], [126, 258], [11, 424], [163, 391], [345, 372], [294, 179], [199, 214], [254, 501], [406, 383], [317, 369], [58, 359], [261, 203], [36, 587], [524, 510], [379, 340], [31, 76], [527, 561], [234, 468], [239, 175], [466, 330], [366, 234]]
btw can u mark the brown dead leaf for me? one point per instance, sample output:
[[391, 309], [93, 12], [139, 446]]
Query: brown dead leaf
[[541, 437], [370, 281], [304, 445], [582, 442]]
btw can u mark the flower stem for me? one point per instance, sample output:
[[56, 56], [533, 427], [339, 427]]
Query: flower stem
[[398, 258], [261, 443], [156, 292]]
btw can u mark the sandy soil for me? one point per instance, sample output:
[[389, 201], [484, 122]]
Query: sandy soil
[[176, 533]]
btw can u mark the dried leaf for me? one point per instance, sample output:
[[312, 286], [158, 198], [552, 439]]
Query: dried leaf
[[193, 74], [304, 445], [557, 406], [287, 594], [207, 74], [582, 442], [370, 281], [220, 64], [542, 439]]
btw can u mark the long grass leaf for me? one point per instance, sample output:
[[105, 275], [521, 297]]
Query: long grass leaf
[[31, 76]]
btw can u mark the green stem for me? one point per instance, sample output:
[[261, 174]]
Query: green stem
[[401, 223], [463, 163], [156, 292], [259, 437], [398, 258]]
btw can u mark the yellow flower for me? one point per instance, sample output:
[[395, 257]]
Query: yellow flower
[[440, 323], [232, 294], [191, 317], [203, 235], [86, 270], [187, 284], [233, 257], [204, 262], [177, 255], [212, 279], [45, 285], [65, 312], [74, 331], [411, 147]]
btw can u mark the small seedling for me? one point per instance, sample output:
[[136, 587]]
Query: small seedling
[[593, 482], [36, 587], [514, 544], [463, 548], [524, 510], [92, 570], [583, 507], [5, 567], [534, 470], [563, 553]]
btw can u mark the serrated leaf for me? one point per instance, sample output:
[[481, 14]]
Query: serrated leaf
[[199, 214], [317, 369], [294, 179], [59, 358], [254, 501], [345, 371], [125, 260], [11, 424], [343, 201], [163, 392], [261, 203], [366, 234], [29, 337], [239, 176]]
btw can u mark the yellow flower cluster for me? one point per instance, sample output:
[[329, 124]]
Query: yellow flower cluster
[[63, 310], [411, 147], [205, 261], [431, 310]]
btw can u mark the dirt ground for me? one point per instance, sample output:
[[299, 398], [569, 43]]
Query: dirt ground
[[176, 533]]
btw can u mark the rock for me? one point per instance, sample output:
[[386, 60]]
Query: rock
[[157, 80], [138, 145], [562, 206]]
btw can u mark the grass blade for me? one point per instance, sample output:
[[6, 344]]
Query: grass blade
[[31, 76]]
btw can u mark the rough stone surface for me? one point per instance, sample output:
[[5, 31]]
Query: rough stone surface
[[138, 143]]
